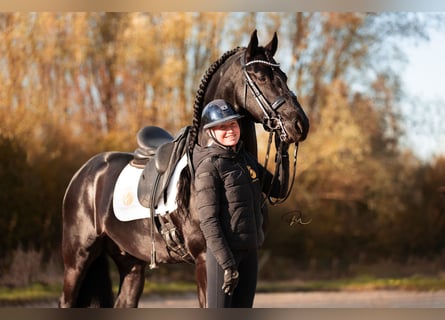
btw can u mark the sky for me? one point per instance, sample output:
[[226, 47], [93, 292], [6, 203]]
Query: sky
[[424, 106]]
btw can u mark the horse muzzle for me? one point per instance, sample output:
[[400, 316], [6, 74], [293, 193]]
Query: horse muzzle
[[302, 129]]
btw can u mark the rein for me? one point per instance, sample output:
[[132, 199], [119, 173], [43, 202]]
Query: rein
[[278, 159], [272, 122]]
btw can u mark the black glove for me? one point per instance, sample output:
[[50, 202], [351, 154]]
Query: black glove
[[231, 278]]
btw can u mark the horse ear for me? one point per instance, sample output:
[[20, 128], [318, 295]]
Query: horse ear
[[253, 46], [273, 44]]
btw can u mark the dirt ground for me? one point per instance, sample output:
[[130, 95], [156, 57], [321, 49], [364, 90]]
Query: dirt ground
[[362, 299], [366, 299]]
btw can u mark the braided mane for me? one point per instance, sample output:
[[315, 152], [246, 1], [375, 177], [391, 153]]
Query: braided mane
[[184, 192], [200, 93]]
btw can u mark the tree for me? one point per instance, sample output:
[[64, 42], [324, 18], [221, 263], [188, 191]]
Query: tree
[[353, 176], [75, 84]]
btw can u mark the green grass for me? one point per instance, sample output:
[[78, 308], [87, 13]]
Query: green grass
[[169, 287], [362, 283], [40, 291], [35, 291]]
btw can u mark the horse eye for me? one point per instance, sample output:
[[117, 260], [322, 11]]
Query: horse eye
[[262, 78]]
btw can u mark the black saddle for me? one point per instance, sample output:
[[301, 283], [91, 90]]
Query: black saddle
[[159, 153], [159, 168], [149, 139]]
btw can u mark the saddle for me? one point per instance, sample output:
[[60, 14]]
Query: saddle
[[149, 139], [161, 154]]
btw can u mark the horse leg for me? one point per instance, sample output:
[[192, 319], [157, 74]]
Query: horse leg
[[132, 279], [71, 284], [76, 264], [96, 289], [201, 279]]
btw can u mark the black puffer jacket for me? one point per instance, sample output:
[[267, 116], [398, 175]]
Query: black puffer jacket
[[229, 199]]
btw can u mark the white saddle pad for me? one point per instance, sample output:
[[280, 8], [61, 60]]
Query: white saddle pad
[[126, 204]]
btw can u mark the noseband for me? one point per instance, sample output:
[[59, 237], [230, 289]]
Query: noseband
[[272, 119]]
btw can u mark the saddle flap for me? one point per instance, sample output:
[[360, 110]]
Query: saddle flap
[[162, 157], [147, 184], [148, 190]]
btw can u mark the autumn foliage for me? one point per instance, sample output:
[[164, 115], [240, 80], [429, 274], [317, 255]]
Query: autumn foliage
[[75, 84]]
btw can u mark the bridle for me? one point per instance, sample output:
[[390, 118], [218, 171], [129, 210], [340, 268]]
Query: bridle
[[272, 119], [272, 122]]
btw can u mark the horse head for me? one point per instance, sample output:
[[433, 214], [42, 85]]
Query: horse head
[[252, 81], [266, 95]]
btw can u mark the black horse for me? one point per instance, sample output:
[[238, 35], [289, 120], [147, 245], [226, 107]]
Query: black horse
[[251, 80]]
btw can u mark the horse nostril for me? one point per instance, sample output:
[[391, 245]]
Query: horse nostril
[[300, 128]]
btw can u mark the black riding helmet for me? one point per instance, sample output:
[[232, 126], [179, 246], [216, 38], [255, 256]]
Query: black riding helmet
[[217, 112]]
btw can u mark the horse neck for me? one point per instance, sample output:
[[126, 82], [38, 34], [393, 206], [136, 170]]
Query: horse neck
[[248, 136], [227, 83]]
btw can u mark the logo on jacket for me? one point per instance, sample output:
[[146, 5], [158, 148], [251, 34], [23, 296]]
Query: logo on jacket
[[252, 172]]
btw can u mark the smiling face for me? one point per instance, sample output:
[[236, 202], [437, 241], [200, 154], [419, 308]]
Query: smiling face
[[227, 133]]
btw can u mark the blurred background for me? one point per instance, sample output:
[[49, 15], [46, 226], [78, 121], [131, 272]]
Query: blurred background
[[370, 184]]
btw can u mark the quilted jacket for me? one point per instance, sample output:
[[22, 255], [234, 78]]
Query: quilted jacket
[[228, 185]]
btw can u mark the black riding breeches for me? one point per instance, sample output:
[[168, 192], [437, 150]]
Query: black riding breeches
[[247, 265]]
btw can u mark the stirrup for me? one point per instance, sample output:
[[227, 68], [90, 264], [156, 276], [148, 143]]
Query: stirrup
[[153, 264]]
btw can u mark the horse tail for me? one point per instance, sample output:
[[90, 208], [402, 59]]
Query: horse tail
[[96, 288]]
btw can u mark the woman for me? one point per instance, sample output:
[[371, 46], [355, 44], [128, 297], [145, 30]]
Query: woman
[[228, 182]]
